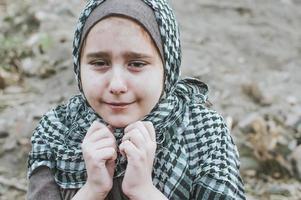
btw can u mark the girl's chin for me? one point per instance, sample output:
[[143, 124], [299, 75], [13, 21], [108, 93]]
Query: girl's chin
[[120, 123], [121, 120]]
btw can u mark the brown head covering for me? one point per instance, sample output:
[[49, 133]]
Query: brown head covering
[[133, 9]]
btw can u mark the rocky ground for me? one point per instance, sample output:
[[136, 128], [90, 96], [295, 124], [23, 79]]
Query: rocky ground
[[248, 52]]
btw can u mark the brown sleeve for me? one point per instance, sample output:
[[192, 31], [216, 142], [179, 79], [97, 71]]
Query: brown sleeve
[[43, 186]]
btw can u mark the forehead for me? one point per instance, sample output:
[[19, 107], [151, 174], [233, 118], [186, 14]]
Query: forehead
[[118, 33], [120, 25]]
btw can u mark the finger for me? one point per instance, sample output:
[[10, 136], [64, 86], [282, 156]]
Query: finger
[[101, 134], [104, 143], [111, 167], [130, 150], [151, 130], [105, 154], [111, 128], [135, 137], [94, 127], [142, 129], [100, 157]]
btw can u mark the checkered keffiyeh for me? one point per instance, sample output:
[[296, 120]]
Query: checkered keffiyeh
[[195, 158]]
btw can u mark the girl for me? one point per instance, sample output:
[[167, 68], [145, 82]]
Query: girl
[[136, 131]]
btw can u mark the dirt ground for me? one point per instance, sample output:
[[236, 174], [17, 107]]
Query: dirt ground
[[248, 52]]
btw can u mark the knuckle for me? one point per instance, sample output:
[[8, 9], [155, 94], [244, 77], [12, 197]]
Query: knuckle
[[151, 147], [154, 145], [127, 190], [107, 188], [141, 157], [148, 123], [108, 133], [139, 123], [87, 155], [127, 135], [112, 142], [112, 150], [84, 147]]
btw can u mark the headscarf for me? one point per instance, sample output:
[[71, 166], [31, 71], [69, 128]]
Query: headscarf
[[57, 138]]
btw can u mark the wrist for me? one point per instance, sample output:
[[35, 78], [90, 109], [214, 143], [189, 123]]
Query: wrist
[[93, 194], [147, 193]]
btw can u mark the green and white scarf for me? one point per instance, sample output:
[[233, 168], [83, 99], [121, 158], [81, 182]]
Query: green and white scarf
[[196, 157]]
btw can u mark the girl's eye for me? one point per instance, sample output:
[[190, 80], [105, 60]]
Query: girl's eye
[[99, 63], [137, 64]]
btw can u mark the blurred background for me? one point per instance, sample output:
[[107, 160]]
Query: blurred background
[[247, 51]]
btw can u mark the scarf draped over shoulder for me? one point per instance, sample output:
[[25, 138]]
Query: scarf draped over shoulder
[[195, 157]]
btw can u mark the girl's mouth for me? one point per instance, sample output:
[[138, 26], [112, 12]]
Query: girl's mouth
[[118, 105]]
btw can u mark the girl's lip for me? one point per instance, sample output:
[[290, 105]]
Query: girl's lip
[[118, 105]]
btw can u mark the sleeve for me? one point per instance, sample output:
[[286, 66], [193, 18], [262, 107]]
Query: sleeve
[[40, 154], [42, 185], [217, 172]]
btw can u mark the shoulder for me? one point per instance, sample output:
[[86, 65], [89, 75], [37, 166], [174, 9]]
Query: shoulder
[[209, 138], [206, 122], [62, 113], [215, 158], [56, 122]]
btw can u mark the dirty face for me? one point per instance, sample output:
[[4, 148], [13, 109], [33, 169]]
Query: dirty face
[[121, 71]]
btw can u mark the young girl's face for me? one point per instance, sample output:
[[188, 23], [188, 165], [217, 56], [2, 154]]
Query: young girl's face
[[121, 71]]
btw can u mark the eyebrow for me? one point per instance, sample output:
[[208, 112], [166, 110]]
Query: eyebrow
[[128, 55], [136, 55], [97, 55]]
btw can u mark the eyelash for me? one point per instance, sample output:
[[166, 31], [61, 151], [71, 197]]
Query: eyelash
[[133, 65], [97, 63]]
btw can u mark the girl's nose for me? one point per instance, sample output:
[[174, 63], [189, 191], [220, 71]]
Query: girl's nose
[[117, 83]]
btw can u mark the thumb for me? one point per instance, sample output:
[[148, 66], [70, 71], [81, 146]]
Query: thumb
[[94, 127], [110, 164]]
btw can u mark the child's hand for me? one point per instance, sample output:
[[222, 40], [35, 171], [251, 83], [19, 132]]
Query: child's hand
[[99, 151], [139, 146]]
